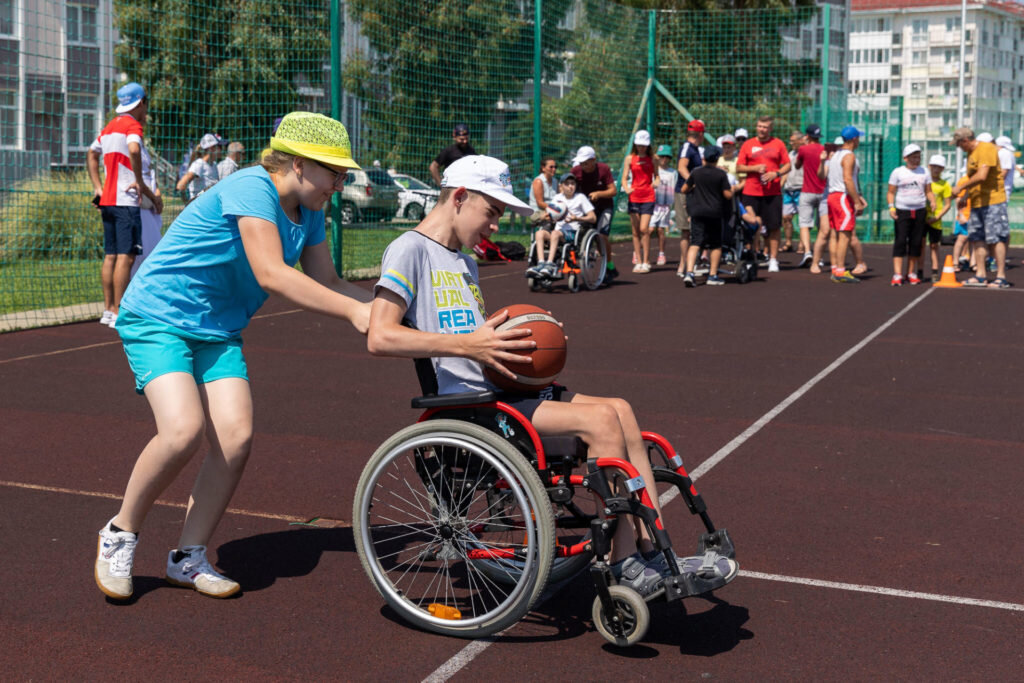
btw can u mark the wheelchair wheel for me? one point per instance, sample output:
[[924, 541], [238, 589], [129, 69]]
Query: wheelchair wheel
[[532, 282], [440, 508], [630, 621], [593, 260], [573, 282]]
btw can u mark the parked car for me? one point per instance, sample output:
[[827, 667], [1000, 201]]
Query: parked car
[[415, 198], [369, 195]]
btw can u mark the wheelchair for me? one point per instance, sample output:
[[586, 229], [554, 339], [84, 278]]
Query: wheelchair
[[462, 519], [581, 262]]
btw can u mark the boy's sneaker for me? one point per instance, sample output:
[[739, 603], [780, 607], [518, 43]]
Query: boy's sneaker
[[661, 258], [935, 277], [643, 576], [115, 553], [536, 270], [714, 280], [549, 269], [844, 276], [112, 323], [688, 280], [105, 318], [193, 570], [773, 266], [913, 279], [806, 260], [897, 281], [963, 265]]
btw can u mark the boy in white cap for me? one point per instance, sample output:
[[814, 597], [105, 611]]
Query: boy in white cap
[[428, 282], [943, 193], [202, 171]]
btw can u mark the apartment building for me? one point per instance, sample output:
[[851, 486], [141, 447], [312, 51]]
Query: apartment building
[[56, 75], [905, 64]]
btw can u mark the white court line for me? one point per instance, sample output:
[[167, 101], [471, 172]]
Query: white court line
[[468, 653], [878, 590], [118, 341]]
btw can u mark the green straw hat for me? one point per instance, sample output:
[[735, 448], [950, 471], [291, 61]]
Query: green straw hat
[[314, 136]]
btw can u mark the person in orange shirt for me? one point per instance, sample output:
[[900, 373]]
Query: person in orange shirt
[[989, 223]]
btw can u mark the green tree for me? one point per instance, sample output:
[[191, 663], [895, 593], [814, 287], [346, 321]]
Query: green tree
[[230, 67], [432, 64]]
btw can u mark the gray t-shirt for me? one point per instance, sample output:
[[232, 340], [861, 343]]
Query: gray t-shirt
[[442, 295]]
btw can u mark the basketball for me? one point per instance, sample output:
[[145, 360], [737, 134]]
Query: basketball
[[557, 211], [548, 357]]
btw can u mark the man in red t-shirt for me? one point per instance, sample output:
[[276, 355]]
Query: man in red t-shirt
[[118, 198], [765, 159], [812, 207]]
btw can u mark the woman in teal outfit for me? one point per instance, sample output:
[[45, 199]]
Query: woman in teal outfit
[[181, 322]]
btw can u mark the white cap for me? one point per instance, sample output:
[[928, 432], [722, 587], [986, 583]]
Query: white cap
[[911, 149], [839, 140], [1005, 142], [583, 154], [741, 133], [937, 160], [726, 140], [209, 140], [984, 137], [642, 137], [485, 175]]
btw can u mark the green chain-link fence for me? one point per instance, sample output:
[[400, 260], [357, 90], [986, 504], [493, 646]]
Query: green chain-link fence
[[530, 79]]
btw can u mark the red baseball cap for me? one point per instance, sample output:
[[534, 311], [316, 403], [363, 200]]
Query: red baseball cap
[[696, 126]]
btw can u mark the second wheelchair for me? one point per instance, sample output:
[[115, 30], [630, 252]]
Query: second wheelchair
[[581, 262]]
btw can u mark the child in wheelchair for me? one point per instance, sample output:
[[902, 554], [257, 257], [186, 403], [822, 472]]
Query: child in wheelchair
[[427, 282], [578, 210]]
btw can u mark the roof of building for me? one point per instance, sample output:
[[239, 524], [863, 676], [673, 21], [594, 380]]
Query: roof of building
[[1009, 6]]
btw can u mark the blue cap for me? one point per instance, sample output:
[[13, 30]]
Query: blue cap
[[850, 133], [814, 130], [712, 153], [460, 129], [129, 96]]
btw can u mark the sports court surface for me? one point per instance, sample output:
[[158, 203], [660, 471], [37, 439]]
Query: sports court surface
[[863, 445]]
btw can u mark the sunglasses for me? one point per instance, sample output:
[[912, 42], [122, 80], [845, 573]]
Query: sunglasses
[[339, 176]]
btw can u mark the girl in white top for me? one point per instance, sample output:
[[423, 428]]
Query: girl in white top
[[910, 191], [202, 170]]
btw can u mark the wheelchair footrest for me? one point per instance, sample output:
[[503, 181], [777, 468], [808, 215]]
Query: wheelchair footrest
[[717, 541], [699, 582]]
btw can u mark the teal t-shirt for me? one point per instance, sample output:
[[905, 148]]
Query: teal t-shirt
[[198, 278]]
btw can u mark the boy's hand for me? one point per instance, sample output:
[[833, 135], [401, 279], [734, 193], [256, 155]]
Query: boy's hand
[[361, 317], [490, 347]]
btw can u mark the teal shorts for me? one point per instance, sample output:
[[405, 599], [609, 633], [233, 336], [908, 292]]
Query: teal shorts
[[154, 349]]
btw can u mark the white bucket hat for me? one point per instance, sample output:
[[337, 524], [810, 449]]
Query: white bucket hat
[[488, 176], [209, 140], [911, 149], [937, 160], [1005, 142], [642, 137], [984, 137]]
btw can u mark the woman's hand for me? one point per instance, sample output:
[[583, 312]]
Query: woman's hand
[[492, 348]]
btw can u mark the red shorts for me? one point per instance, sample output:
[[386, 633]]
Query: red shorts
[[841, 216]]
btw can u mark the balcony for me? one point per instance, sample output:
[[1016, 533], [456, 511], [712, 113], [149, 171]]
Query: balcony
[[942, 101], [944, 70]]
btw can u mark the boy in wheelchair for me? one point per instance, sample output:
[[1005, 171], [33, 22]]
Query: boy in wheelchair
[[428, 282], [578, 210]]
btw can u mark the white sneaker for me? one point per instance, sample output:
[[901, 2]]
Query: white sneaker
[[105, 318], [773, 266], [115, 553], [112, 321], [195, 571]]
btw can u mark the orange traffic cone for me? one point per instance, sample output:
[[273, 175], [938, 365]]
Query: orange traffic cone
[[948, 278]]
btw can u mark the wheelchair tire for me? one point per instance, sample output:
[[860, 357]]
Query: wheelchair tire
[[593, 259], [573, 283], [631, 620], [532, 282], [432, 495], [746, 271]]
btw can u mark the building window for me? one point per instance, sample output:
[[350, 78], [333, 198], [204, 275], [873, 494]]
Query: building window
[[896, 70], [7, 14], [917, 120], [8, 115], [952, 23], [81, 24], [919, 57], [897, 39], [917, 88], [81, 120], [947, 88], [950, 55]]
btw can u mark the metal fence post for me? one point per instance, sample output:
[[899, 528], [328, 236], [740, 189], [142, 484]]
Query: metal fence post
[[538, 12], [827, 22], [336, 232], [652, 57]]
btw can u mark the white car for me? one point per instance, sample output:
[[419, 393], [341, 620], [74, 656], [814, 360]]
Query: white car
[[416, 198]]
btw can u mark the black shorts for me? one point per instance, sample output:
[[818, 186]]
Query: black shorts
[[604, 221], [527, 404], [122, 229], [642, 208], [910, 226], [706, 232], [768, 209], [934, 235]]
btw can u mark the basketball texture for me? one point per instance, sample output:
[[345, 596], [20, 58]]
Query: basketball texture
[[548, 357]]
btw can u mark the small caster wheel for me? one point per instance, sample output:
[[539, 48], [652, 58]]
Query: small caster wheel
[[532, 282], [574, 282], [631, 619]]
